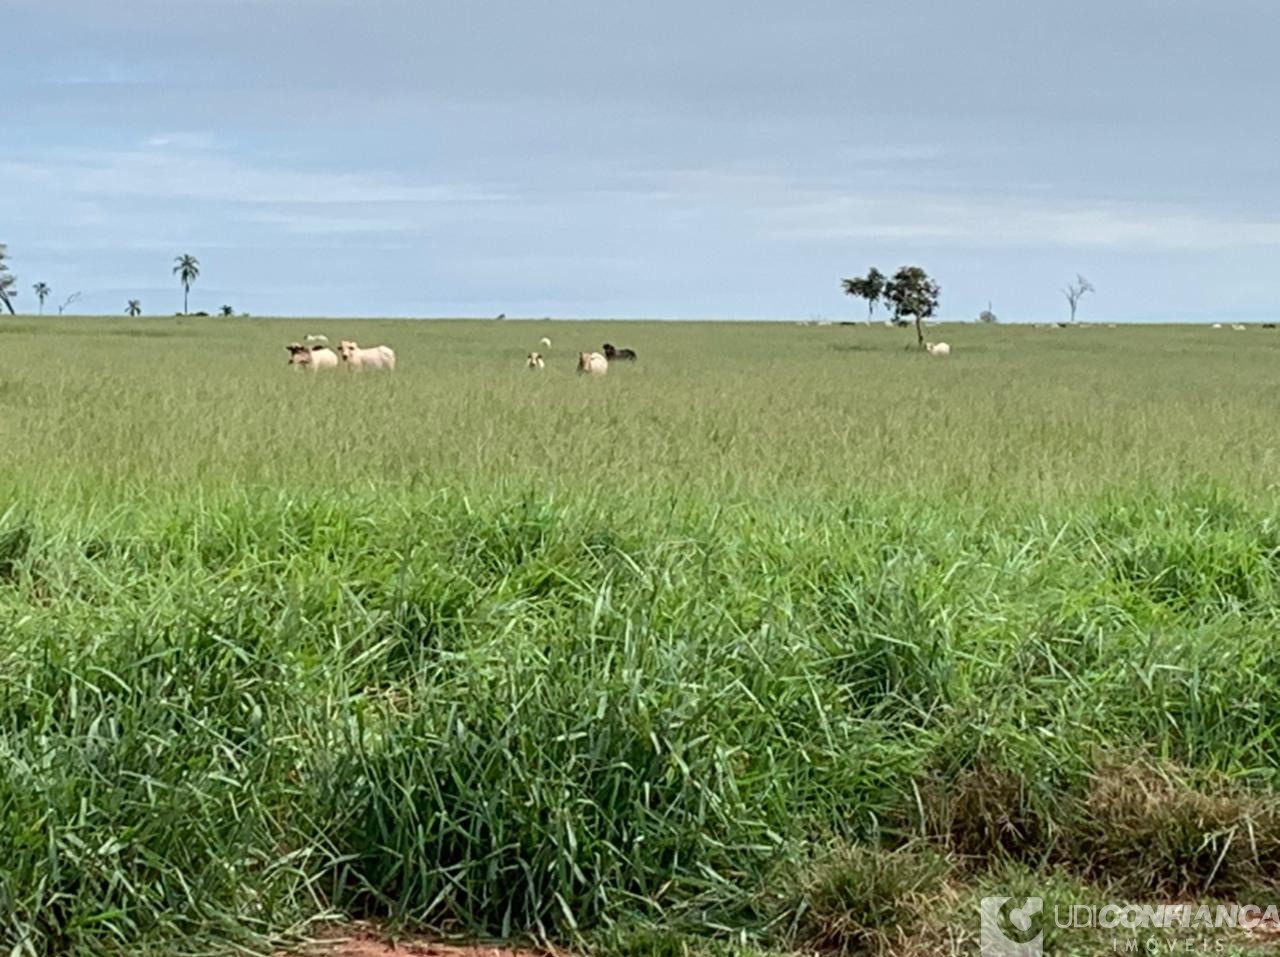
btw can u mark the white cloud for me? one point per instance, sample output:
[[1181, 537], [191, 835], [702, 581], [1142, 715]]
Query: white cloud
[[784, 209], [309, 223], [191, 166], [997, 222], [183, 140]]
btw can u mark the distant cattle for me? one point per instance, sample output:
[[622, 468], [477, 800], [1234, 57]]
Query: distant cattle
[[377, 357], [314, 358], [1238, 326], [612, 354], [938, 348], [592, 363], [544, 342], [1217, 325], [1268, 325]]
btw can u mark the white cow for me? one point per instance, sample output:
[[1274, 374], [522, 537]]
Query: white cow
[[938, 348], [317, 338], [314, 358], [544, 342], [377, 357], [1238, 327], [1217, 325], [535, 361], [592, 363]]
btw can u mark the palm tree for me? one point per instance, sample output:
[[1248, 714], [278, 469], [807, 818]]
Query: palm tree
[[7, 280], [187, 268], [227, 311], [42, 290], [134, 308]]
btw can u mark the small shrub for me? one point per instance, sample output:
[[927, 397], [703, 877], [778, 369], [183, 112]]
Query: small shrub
[[1153, 830], [864, 900]]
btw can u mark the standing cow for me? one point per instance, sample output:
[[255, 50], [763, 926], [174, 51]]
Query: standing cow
[[592, 363], [377, 357], [314, 358]]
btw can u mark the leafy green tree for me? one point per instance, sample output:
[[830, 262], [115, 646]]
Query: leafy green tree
[[134, 308], [7, 281], [187, 268], [226, 311], [1075, 292], [870, 287], [911, 293], [42, 291], [988, 316]]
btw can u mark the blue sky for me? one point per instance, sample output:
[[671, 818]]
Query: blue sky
[[708, 159]]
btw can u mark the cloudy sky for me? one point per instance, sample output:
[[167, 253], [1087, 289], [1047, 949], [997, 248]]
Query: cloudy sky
[[704, 158]]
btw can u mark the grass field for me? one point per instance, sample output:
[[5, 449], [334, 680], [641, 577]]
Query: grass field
[[785, 638]]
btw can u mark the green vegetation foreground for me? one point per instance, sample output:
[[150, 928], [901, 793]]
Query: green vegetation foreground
[[785, 636]]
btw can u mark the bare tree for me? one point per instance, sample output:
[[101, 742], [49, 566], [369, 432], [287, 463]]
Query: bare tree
[[1075, 292], [8, 281], [70, 299]]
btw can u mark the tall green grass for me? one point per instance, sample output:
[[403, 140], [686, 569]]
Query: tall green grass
[[773, 639]]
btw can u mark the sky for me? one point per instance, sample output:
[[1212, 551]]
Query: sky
[[590, 158]]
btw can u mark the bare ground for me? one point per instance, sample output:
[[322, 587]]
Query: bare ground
[[360, 940]]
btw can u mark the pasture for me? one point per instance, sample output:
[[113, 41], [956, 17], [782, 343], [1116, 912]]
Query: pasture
[[784, 638]]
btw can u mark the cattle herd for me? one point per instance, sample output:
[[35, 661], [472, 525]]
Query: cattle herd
[[315, 354]]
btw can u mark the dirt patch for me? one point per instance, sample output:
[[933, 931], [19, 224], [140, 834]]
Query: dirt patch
[[363, 941]]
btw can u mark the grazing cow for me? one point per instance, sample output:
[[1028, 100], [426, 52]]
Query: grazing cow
[[1217, 325], [315, 338], [612, 354], [592, 363], [314, 358], [544, 342], [377, 357], [534, 361], [938, 348], [1238, 326]]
